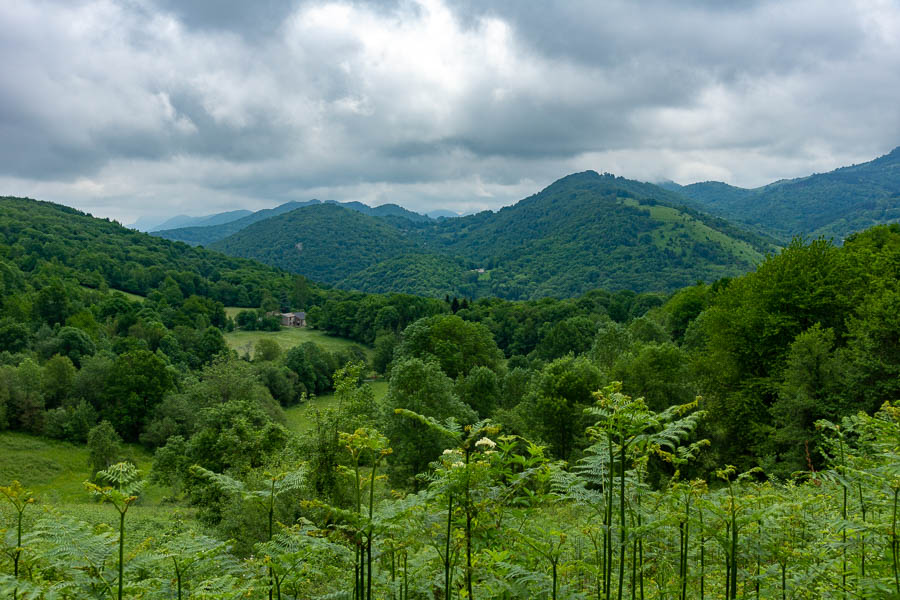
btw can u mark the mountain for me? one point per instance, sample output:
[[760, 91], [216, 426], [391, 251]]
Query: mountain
[[207, 233], [442, 213], [383, 210], [833, 204], [98, 252], [326, 242], [204, 235], [582, 232], [150, 224], [147, 223]]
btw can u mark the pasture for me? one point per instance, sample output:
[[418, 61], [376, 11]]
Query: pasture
[[244, 341], [298, 416]]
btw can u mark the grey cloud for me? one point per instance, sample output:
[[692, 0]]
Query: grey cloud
[[234, 104]]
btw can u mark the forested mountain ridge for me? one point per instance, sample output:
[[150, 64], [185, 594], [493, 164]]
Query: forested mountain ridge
[[98, 252], [833, 204], [208, 233], [582, 232], [326, 242]]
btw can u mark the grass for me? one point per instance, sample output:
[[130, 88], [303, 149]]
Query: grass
[[298, 416], [288, 337], [671, 218], [232, 311], [129, 295], [55, 472]]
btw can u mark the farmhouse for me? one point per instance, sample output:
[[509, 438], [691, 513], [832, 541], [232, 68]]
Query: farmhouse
[[293, 319]]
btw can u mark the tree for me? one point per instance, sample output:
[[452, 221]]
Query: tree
[[58, 376], [557, 400], [137, 382], [75, 344], [266, 349], [810, 389], [575, 335], [104, 447], [480, 389], [659, 373], [457, 345], [424, 389]]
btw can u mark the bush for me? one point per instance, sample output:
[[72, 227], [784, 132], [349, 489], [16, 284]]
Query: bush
[[104, 447]]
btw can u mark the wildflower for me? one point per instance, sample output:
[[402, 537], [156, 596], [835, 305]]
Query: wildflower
[[486, 441]]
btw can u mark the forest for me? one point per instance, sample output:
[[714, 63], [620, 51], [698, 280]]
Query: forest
[[733, 438]]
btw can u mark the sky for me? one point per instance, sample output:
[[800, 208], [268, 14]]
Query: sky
[[141, 108]]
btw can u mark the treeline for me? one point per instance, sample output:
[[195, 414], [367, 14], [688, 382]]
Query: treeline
[[810, 335]]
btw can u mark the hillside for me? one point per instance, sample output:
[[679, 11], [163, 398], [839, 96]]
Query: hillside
[[97, 252], [207, 233], [582, 232], [589, 230], [326, 242], [832, 205]]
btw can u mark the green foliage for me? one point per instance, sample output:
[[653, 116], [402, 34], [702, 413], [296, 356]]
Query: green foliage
[[556, 401], [584, 231], [834, 204], [457, 345], [104, 448], [423, 388]]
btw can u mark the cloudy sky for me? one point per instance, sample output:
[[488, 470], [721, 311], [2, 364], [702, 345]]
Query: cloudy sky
[[159, 107]]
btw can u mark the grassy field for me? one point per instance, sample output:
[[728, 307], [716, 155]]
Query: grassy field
[[129, 295], [696, 229], [288, 337], [55, 472], [232, 311], [297, 416]]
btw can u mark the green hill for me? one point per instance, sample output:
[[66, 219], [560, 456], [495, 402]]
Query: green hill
[[203, 235], [97, 252], [582, 232], [833, 204], [206, 233], [326, 242]]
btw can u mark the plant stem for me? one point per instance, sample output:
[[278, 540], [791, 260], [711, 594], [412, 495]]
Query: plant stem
[[468, 534], [895, 544], [447, 548], [121, 547], [621, 521]]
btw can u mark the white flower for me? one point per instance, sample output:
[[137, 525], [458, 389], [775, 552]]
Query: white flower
[[486, 441]]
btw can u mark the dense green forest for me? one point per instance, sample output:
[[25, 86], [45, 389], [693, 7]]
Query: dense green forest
[[728, 439], [833, 205], [206, 233], [585, 231]]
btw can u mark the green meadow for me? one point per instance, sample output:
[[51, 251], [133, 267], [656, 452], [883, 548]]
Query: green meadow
[[287, 338], [298, 416]]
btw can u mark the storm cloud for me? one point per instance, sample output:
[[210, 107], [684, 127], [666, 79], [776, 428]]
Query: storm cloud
[[146, 107]]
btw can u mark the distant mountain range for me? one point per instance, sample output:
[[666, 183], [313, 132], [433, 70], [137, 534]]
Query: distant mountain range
[[582, 232], [205, 234], [833, 204], [148, 224], [585, 231]]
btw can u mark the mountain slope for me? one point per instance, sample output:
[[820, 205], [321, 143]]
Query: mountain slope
[[97, 252], [589, 230], [207, 233], [204, 235], [833, 204], [326, 242], [584, 231]]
